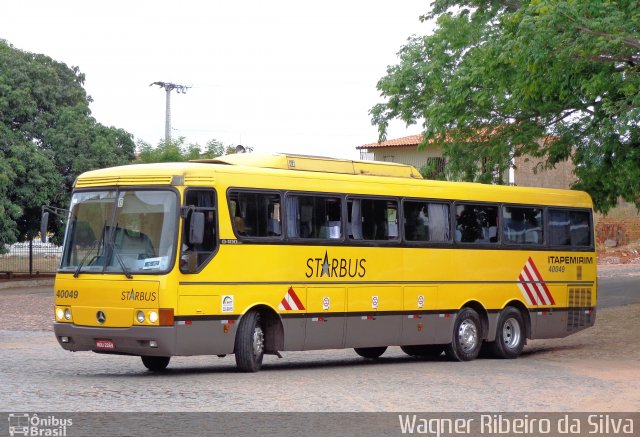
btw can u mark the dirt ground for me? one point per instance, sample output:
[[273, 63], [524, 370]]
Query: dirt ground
[[629, 254]]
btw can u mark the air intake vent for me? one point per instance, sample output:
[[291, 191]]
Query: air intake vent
[[579, 315]]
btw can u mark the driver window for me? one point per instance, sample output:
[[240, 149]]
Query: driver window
[[194, 257]]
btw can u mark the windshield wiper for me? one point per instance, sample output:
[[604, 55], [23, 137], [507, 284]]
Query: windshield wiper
[[89, 252], [112, 246], [119, 258], [93, 245]]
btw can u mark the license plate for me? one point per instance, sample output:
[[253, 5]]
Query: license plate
[[105, 344]]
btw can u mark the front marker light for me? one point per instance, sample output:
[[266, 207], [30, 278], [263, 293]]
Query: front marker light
[[59, 313], [67, 314], [153, 317], [140, 317]]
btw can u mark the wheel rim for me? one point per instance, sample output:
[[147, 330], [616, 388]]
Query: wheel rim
[[468, 335], [258, 341], [511, 333]]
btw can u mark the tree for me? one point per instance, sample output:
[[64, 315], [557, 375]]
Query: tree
[[550, 79], [47, 138], [177, 151]]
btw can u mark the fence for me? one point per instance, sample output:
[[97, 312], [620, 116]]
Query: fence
[[31, 257]]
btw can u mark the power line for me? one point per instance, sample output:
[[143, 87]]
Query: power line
[[168, 87]]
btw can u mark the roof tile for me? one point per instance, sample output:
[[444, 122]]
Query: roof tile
[[411, 140]]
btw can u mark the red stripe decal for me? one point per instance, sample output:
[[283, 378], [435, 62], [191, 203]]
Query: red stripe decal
[[295, 298], [544, 285], [526, 288], [285, 304], [534, 285]]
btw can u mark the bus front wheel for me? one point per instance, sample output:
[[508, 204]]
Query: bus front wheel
[[155, 364], [249, 346], [510, 336], [467, 336], [370, 352]]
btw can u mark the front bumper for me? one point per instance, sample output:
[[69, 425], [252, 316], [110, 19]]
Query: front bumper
[[135, 340]]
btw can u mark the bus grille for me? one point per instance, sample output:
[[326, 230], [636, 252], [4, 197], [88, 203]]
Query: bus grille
[[579, 309]]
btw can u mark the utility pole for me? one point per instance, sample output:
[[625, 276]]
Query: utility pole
[[168, 87]]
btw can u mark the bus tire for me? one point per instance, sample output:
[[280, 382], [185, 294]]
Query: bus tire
[[155, 364], [510, 335], [467, 336], [370, 352], [249, 345], [425, 350]]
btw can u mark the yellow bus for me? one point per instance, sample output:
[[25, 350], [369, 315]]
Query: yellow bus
[[258, 254]]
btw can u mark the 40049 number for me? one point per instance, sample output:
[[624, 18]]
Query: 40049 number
[[556, 269], [67, 294]]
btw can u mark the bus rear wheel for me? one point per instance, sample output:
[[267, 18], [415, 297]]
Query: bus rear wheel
[[155, 364], [510, 335], [422, 351], [467, 336], [249, 346], [370, 352]]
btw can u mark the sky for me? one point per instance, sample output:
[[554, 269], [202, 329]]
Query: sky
[[293, 76]]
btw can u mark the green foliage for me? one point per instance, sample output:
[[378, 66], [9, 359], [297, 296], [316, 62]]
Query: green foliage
[[47, 138], [548, 78], [177, 151]]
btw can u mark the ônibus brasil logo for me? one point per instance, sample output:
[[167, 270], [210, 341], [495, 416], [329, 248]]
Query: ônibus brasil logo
[[25, 424]]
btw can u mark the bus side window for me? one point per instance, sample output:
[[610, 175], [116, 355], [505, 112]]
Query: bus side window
[[559, 229], [372, 219], [522, 225], [476, 223], [255, 215], [569, 228], [317, 217], [579, 228], [194, 257], [426, 221]]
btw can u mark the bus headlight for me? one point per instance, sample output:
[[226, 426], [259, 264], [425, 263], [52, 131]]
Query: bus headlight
[[153, 317], [59, 313], [67, 314], [140, 317]]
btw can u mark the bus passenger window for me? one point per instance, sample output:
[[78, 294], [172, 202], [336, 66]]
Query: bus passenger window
[[569, 228], [372, 219], [522, 225], [426, 221], [255, 214], [193, 257], [476, 224], [317, 217], [579, 229]]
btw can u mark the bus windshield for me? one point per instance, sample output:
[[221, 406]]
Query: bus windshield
[[120, 231]]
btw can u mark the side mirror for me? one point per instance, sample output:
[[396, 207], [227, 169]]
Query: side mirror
[[44, 225], [196, 229]]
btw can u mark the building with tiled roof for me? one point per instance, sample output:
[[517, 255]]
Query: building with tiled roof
[[527, 172], [404, 150]]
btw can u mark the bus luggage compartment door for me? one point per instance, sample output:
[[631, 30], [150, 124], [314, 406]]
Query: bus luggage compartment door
[[325, 321]]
